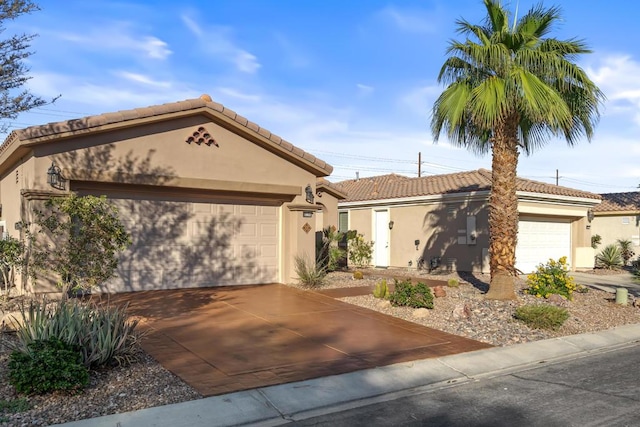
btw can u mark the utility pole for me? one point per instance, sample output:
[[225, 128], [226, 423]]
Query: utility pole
[[557, 177], [419, 164]]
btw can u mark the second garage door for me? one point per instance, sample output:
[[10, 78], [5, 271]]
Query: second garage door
[[540, 240], [184, 244]]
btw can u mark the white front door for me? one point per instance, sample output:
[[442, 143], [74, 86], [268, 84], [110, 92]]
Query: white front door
[[381, 239]]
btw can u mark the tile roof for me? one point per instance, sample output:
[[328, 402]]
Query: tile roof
[[394, 186], [331, 188], [619, 202], [88, 124]]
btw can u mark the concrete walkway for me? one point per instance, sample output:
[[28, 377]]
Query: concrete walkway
[[281, 404], [610, 282]]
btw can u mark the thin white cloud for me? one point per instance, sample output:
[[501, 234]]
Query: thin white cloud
[[409, 20], [236, 94], [364, 90], [420, 100], [293, 55], [192, 25], [218, 42], [616, 75], [131, 92], [119, 37], [141, 78]]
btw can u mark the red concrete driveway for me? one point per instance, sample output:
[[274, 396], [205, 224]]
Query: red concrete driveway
[[227, 339]]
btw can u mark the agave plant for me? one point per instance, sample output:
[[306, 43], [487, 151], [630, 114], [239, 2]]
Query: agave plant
[[610, 258]]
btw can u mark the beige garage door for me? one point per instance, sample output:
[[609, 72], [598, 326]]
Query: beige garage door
[[185, 244], [540, 240]]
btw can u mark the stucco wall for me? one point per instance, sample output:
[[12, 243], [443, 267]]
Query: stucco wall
[[611, 228], [158, 155]]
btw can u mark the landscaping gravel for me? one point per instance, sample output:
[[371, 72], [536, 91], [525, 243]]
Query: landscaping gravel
[[463, 311]]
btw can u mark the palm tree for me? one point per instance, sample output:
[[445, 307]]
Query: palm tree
[[509, 89]]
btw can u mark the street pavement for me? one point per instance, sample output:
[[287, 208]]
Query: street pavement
[[295, 402], [600, 389]]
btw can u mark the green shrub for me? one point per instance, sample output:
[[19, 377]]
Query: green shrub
[[309, 276], [47, 366], [358, 275], [596, 239], [453, 283], [14, 406], [360, 251], [103, 334], [406, 294], [542, 316], [551, 278], [610, 258], [381, 290], [625, 250]]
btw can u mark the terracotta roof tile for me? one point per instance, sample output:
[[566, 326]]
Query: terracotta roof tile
[[90, 123], [394, 186], [619, 202], [330, 187]]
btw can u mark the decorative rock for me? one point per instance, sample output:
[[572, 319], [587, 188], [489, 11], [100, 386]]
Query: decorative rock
[[636, 302], [10, 321], [556, 299], [439, 292], [420, 313], [462, 311], [383, 304]]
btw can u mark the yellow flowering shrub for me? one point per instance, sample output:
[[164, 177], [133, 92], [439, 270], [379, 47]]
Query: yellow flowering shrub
[[551, 278]]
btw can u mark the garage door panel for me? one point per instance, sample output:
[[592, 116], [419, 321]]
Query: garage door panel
[[540, 240], [182, 244]]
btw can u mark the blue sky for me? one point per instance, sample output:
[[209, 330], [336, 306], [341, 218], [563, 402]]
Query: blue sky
[[352, 82]]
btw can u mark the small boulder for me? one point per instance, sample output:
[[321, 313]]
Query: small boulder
[[439, 292], [636, 302], [420, 313], [383, 304], [462, 311]]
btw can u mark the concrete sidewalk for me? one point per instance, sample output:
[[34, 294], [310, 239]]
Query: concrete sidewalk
[[281, 404]]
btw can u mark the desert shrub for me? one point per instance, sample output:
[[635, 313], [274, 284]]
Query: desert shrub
[[360, 251], [406, 294], [13, 406], [84, 239], [328, 254], [381, 290], [47, 366], [609, 258], [542, 316], [103, 334], [453, 283], [551, 278], [309, 275], [625, 250], [596, 239], [358, 275]]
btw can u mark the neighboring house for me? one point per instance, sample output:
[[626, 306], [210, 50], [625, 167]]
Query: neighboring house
[[442, 221], [209, 197], [618, 218]]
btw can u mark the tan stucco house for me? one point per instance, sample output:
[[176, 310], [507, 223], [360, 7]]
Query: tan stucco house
[[442, 221], [618, 218], [209, 197]]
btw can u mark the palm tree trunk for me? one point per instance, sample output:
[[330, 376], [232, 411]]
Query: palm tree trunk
[[503, 211]]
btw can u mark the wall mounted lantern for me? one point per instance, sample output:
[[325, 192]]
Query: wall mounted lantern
[[390, 225], [590, 215], [309, 194], [54, 177]]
